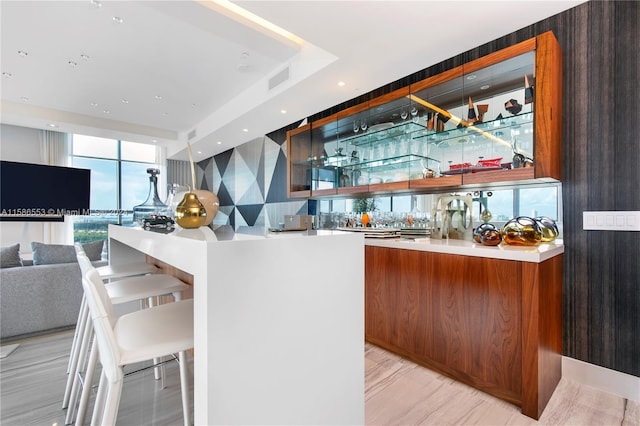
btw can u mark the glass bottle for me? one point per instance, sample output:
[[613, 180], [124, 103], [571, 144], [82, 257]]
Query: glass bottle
[[153, 204]]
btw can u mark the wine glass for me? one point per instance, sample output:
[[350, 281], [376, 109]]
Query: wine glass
[[414, 114], [365, 219], [403, 114], [356, 126], [363, 124]]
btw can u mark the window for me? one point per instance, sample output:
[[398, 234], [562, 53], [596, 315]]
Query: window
[[503, 204], [119, 181]]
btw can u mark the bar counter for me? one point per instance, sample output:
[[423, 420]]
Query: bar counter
[[535, 254], [279, 321]]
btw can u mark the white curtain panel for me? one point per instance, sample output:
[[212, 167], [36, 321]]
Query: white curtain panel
[[55, 150]]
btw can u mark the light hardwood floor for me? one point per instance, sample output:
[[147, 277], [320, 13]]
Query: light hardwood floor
[[397, 392]]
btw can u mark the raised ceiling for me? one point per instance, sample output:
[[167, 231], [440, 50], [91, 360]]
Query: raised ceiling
[[205, 71]]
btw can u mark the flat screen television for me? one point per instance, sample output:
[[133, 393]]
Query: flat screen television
[[35, 192]]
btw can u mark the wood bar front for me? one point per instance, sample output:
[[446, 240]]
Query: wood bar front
[[494, 324]]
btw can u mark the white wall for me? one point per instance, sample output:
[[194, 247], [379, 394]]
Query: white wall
[[20, 144]]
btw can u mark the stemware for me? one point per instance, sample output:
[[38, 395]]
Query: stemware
[[356, 126], [414, 114], [363, 124], [403, 114]]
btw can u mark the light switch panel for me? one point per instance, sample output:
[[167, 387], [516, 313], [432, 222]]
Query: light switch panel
[[611, 221]]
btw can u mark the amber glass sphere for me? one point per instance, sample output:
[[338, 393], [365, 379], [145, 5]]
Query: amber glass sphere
[[491, 237], [522, 231], [481, 229], [549, 228]]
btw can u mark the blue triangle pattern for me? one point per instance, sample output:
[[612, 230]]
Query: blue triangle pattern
[[223, 195], [222, 161], [250, 212], [278, 188]]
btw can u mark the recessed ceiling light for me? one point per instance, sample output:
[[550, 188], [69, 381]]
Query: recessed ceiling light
[[219, 142], [106, 111], [52, 125], [154, 140], [199, 152], [341, 83], [485, 87], [94, 104], [124, 101], [22, 53], [24, 99], [283, 111], [72, 64], [6, 74], [118, 20], [96, 4], [472, 77], [158, 97], [84, 57], [245, 130]]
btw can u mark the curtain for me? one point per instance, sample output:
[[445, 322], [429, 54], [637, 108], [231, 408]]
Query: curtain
[[55, 150], [179, 172]]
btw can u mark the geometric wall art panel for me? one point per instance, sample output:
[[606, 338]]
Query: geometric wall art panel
[[250, 181]]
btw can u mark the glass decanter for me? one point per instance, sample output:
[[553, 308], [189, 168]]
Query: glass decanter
[[153, 205]]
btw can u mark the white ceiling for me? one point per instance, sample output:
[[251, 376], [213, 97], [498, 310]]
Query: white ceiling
[[183, 70]]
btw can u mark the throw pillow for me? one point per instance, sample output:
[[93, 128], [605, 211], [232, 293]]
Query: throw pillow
[[10, 256], [49, 254], [93, 250]]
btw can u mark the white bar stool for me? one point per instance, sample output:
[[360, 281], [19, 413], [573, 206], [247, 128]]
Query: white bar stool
[[139, 336], [107, 272], [121, 291]]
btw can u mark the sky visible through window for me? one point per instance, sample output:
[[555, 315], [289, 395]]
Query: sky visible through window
[[101, 157]]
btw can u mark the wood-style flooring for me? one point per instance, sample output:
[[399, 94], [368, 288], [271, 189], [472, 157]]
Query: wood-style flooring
[[397, 392]]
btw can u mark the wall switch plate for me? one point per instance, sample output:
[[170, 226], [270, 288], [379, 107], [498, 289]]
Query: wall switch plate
[[611, 221]]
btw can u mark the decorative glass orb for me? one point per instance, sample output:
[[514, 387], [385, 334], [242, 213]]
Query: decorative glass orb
[[491, 237], [481, 229], [522, 231], [549, 228]]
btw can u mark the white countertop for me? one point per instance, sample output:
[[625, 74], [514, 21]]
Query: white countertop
[[535, 254]]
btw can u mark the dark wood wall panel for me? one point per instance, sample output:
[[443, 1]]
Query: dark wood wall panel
[[601, 163]]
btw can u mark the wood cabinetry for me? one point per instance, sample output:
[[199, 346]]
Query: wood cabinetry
[[493, 324], [493, 120]]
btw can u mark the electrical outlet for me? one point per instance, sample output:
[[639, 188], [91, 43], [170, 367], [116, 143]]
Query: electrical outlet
[[611, 221]]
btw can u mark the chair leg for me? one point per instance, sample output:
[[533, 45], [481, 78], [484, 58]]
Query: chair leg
[[77, 383], [98, 408], [184, 385], [112, 401], [76, 347], [79, 323], [88, 383], [158, 372]]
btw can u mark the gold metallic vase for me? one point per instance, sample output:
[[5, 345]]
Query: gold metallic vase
[[190, 213]]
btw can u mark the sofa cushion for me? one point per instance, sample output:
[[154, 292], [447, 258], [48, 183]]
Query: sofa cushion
[[10, 256], [49, 254]]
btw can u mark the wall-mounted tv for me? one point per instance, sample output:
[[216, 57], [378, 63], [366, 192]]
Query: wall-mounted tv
[[35, 192]]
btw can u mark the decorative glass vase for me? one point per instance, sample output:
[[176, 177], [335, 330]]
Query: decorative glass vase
[[481, 229], [153, 205], [522, 231], [549, 228]]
